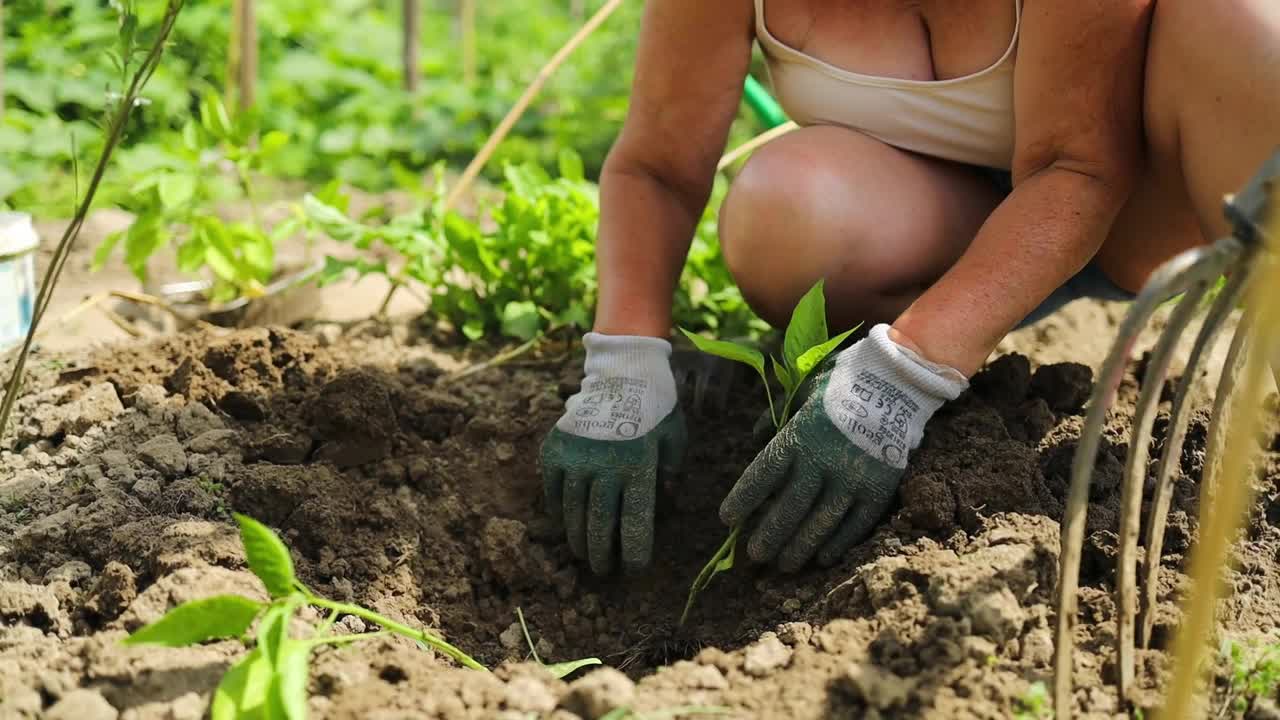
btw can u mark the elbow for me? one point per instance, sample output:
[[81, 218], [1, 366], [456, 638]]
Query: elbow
[[1113, 172], [633, 159]]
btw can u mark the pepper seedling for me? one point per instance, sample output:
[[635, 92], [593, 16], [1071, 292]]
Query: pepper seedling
[[271, 681], [805, 345]]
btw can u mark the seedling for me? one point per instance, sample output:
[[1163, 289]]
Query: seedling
[[559, 670], [805, 345], [271, 681], [1255, 673], [1034, 703]]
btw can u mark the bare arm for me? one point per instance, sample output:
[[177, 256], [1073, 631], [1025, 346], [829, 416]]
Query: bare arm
[[1078, 107], [691, 62]]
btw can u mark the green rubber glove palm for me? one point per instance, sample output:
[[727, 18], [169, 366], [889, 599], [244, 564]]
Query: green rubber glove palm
[[834, 468], [602, 462]]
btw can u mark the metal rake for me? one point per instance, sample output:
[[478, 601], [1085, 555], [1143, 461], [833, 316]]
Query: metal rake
[[1191, 275]]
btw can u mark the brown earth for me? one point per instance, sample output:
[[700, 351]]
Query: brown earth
[[420, 498]]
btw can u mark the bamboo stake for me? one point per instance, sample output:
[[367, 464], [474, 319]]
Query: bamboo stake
[[1, 58], [242, 56], [467, 20], [754, 143], [410, 42], [1233, 487], [473, 169]]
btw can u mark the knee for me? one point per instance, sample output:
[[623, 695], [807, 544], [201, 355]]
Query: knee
[[804, 208]]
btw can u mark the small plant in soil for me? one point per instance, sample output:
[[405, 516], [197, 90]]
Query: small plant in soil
[[1254, 675], [561, 669], [271, 681], [1034, 704], [805, 345]]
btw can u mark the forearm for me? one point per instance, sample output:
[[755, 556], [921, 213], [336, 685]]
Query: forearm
[[645, 230], [1048, 228]]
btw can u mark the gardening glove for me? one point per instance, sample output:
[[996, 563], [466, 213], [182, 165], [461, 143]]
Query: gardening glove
[[620, 433], [836, 465]]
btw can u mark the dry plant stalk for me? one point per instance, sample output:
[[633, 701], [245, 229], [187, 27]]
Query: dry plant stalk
[[755, 143], [522, 104], [467, 20], [242, 55], [410, 39], [117, 120], [1232, 486]]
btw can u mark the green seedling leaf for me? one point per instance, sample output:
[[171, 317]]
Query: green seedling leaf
[[570, 164], [559, 670], [290, 687], [215, 618], [103, 253], [191, 253], [267, 556], [728, 350], [784, 375], [808, 326], [273, 632], [810, 358], [176, 190], [243, 691], [521, 320], [563, 669]]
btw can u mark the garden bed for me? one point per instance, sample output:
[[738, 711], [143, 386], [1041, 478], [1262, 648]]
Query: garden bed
[[421, 499]]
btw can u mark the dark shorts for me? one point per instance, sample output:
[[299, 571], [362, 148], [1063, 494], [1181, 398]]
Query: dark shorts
[[1090, 282]]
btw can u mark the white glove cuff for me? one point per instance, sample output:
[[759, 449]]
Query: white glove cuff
[[628, 388], [881, 394]]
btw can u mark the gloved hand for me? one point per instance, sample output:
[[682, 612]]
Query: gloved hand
[[619, 434], [836, 465]]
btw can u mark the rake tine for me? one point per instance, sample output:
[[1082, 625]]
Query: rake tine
[[1198, 277], [1179, 417], [1167, 281]]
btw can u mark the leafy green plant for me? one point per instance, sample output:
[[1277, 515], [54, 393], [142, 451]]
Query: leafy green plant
[[271, 680], [807, 343], [1254, 674], [1035, 703], [527, 266], [215, 161]]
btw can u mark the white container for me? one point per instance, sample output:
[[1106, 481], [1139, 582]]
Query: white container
[[18, 243]]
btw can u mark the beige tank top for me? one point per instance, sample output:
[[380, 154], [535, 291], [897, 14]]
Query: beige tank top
[[966, 119]]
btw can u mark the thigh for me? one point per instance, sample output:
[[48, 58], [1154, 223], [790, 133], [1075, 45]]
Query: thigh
[[878, 223], [1212, 115]]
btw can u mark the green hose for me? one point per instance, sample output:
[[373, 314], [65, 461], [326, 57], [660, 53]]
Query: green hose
[[767, 110]]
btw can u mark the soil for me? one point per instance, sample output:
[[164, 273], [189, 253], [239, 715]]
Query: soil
[[420, 498]]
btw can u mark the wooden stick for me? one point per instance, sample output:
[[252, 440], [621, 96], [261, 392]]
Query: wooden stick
[[467, 19], [1, 58], [473, 169], [242, 56], [754, 143], [409, 43]]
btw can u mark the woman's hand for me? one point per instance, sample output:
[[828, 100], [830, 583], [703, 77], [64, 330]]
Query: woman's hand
[[835, 467], [619, 434]]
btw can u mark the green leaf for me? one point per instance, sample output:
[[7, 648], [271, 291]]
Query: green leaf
[[290, 686], [570, 164], [784, 375], [562, 669], [810, 358], [176, 190], [728, 350], [267, 556], [191, 254], [520, 319], [213, 115], [273, 141], [243, 691], [621, 713], [473, 329], [273, 632], [258, 251], [808, 326], [103, 254], [141, 240], [221, 616]]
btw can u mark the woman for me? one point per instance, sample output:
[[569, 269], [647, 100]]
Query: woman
[[963, 167]]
